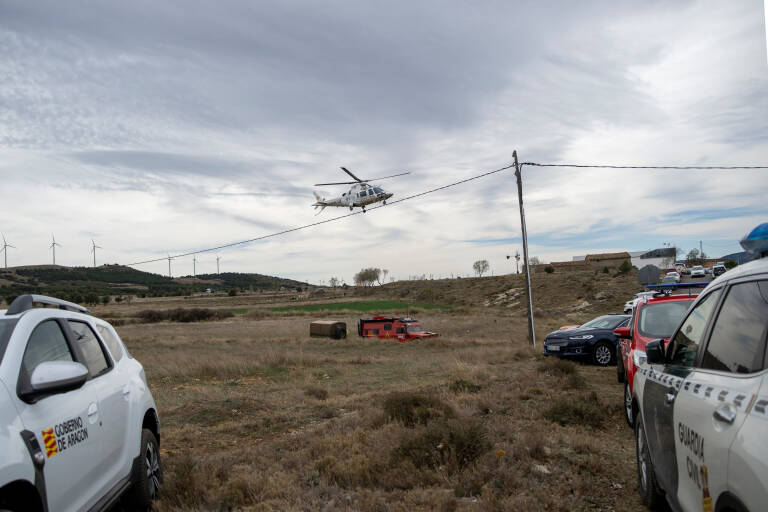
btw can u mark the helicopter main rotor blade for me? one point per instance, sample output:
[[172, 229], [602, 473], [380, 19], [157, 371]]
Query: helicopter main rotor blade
[[387, 177], [353, 176], [339, 183]]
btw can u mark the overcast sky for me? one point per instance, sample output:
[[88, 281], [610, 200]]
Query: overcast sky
[[158, 128]]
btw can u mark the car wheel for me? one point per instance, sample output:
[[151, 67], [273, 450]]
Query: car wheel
[[650, 493], [603, 354], [628, 405], [149, 473], [619, 365]]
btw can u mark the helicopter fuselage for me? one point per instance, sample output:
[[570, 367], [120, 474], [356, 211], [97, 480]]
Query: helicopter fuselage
[[359, 195]]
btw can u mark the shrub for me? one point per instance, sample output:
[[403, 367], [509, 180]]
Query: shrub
[[182, 315], [232, 292], [453, 444], [316, 392], [625, 267], [606, 270], [581, 411], [549, 269], [464, 386], [729, 264], [557, 367], [411, 409]]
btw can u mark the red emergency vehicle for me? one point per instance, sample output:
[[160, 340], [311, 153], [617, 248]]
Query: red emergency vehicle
[[652, 318], [400, 329]]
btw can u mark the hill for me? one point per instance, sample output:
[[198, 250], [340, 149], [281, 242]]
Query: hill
[[89, 284], [570, 294]]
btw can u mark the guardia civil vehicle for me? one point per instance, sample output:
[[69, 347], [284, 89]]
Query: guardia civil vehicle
[[701, 402], [78, 425]]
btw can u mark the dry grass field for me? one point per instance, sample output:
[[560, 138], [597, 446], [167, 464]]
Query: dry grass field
[[256, 415]]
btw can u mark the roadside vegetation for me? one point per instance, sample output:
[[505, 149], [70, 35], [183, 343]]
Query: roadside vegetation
[[259, 416]]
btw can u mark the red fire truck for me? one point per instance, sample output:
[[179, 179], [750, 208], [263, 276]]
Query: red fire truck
[[400, 329]]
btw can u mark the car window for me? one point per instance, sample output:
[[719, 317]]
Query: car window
[[624, 323], [685, 345], [658, 320], [90, 347], [46, 343], [738, 337], [604, 322], [112, 342]]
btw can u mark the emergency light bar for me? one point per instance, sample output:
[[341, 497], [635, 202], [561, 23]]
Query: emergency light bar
[[677, 285], [666, 289]]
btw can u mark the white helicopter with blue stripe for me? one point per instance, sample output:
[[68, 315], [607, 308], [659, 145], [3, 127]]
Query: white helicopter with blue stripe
[[360, 195]]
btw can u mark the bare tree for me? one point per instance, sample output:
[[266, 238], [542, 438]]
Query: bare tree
[[333, 282], [535, 260], [384, 273], [480, 267], [367, 276]]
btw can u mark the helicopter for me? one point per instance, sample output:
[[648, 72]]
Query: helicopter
[[359, 195]]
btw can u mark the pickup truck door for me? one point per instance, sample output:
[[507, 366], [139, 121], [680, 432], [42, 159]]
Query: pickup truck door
[[662, 385], [66, 424], [714, 402]]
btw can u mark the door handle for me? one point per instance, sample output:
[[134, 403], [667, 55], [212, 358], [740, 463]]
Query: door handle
[[93, 413], [725, 413], [670, 397], [126, 390]]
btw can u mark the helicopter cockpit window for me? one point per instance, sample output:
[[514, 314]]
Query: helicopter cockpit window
[[378, 190]]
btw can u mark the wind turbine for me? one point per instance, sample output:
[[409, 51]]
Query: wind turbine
[[93, 250], [53, 247], [6, 245]]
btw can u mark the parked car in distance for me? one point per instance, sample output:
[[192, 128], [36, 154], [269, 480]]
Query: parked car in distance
[[701, 401], [697, 271], [719, 269], [78, 425], [593, 340], [631, 303], [653, 318], [673, 274]]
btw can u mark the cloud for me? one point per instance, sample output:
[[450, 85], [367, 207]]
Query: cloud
[[160, 128]]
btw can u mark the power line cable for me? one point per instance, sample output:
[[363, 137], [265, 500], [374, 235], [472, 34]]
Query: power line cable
[[672, 167], [326, 221]]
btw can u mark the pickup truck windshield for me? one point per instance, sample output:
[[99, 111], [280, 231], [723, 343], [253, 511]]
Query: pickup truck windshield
[[659, 320], [414, 328]]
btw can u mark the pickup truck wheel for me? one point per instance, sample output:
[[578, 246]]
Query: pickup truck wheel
[[650, 493], [149, 473], [603, 354]]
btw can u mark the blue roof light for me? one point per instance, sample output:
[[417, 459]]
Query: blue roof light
[[756, 241]]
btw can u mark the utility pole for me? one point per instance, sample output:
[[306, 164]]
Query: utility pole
[[169, 267], [217, 264], [701, 251], [194, 266], [531, 328]]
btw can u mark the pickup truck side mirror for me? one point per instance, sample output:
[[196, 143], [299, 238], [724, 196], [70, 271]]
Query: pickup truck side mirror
[[654, 351], [52, 377], [622, 332]]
